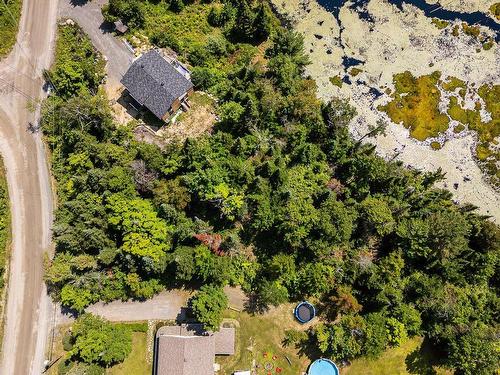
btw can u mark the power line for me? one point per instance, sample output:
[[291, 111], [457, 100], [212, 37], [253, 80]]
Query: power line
[[26, 55], [17, 89]]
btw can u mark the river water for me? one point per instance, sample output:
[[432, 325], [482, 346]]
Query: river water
[[430, 10]]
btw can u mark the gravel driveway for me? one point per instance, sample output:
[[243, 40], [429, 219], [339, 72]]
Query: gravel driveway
[[164, 306]]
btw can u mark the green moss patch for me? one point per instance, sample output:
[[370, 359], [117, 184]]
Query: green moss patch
[[471, 30], [336, 81], [436, 145], [440, 24], [490, 130], [488, 44], [459, 128], [454, 83], [487, 132], [495, 10], [464, 116], [355, 71], [415, 104]]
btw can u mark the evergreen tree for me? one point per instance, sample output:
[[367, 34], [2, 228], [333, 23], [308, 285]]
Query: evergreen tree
[[244, 28], [263, 22], [176, 5]]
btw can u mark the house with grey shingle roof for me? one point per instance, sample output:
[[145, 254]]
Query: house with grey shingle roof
[[189, 349], [159, 85]]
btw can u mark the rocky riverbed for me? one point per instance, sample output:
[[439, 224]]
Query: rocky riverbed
[[380, 40]]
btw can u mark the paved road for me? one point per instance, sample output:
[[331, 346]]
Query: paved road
[[88, 16], [28, 306]]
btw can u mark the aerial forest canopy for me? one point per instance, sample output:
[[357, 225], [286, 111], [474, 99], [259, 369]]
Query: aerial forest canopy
[[279, 199]]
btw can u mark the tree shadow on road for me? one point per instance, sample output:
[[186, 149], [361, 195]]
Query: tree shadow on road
[[78, 3], [106, 27], [69, 312]]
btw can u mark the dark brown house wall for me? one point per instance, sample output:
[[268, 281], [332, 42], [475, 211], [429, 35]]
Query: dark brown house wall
[[176, 105]]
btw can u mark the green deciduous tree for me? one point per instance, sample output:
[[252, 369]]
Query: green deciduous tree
[[396, 332], [271, 293], [77, 298], [142, 233], [208, 305], [474, 351], [98, 341], [376, 335]]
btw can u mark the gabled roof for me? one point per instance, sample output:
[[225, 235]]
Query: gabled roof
[[189, 349], [185, 355], [154, 83]]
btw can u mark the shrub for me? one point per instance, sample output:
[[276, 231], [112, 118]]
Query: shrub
[[205, 78], [294, 337], [375, 335], [165, 39], [67, 341], [65, 366], [272, 293], [396, 332]]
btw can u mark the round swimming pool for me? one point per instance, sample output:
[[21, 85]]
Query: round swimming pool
[[323, 366]]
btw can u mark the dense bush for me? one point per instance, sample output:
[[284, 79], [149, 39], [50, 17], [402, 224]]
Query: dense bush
[[78, 66]]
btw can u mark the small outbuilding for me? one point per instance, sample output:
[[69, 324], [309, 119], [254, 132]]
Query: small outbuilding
[[159, 85], [120, 27]]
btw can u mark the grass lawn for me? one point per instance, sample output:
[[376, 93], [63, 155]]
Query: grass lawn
[[136, 363], [259, 334], [197, 121], [393, 362], [10, 12]]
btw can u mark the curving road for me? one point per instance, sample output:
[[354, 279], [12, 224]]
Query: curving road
[[28, 310]]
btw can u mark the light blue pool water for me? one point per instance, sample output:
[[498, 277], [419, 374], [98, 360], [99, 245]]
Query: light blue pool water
[[323, 367]]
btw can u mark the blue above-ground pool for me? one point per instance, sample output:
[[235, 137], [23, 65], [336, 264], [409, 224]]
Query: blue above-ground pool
[[323, 366]]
